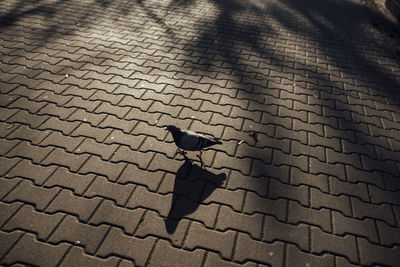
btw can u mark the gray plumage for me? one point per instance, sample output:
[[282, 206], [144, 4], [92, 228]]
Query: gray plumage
[[188, 140]]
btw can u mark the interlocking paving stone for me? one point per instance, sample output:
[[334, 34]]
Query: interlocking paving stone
[[71, 231], [39, 253], [303, 97], [200, 237], [354, 176], [343, 262], [6, 185], [253, 203], [162, 163], [60, 140], [373, 254], [119, 137], [346, 225], [319, 200], [281, 190], [34, 153], [274, 230], [125, 154], [234, 199], [165, 254], [86, 130], [214, 260], [59, 156], [28, 192], [259, 185], [323, 242], [261, 169], [54, 110], [229, 219], [97, 166], [31, 221], [111, 121], [25, 133], [358, 190], [389, 235], [298, 178], [183, 207], [101, 186], [320, 217], [82, 115], [6, 128], [76, 182], [8, 210], [76, 256], [135, 249], [248, 249], [67, 202], [379, 196], [24, 103], [7, 240], [382, 212], [295, 257], [155, 225]]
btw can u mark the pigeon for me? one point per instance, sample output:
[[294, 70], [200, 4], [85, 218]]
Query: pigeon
[[191, 141]]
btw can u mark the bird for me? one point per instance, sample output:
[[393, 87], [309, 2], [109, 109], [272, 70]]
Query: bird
[[191, 141]]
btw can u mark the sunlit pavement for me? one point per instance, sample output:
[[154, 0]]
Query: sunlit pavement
[[304, 96]]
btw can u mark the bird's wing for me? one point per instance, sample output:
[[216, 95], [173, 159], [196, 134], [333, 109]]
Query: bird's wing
[[187, 132], [191, 141]]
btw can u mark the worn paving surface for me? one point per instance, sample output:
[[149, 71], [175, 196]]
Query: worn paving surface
[[304, 95]]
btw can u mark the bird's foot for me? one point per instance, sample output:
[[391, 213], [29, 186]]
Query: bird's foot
[[182, 152]]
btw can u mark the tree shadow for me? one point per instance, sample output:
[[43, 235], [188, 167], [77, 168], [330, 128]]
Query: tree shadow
[[157, 18], [24, 9], [325, 48], [337, 54], [181, 205]]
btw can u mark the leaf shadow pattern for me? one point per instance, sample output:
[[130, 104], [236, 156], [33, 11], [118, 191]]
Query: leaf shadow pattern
[[194, 181]]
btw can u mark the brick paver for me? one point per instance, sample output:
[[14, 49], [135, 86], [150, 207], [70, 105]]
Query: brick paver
[[303, 94]]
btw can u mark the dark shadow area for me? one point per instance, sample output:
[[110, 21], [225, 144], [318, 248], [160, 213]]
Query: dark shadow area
[[22, 10], [181, 3], [103, 3], [155, 17], [186, 197], [332, 50], [335, 27]]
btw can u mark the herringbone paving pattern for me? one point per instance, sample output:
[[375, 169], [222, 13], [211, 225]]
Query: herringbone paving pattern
[[303, 94]]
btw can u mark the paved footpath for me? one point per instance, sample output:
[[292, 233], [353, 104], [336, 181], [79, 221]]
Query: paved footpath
[[304, 95]]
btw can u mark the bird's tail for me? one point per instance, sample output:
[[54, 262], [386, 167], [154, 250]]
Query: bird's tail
[[210, 142], [217, 141]]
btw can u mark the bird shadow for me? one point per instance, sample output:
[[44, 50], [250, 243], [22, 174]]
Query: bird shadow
[[192, 185]]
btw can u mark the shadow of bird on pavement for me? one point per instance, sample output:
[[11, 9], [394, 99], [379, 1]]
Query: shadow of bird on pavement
[[193, 185]]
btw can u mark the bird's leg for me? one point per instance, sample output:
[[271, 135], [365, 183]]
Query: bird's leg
[[201, 160], [182, 152]]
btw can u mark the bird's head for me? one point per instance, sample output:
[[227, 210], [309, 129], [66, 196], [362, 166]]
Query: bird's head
[[172, 129]]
